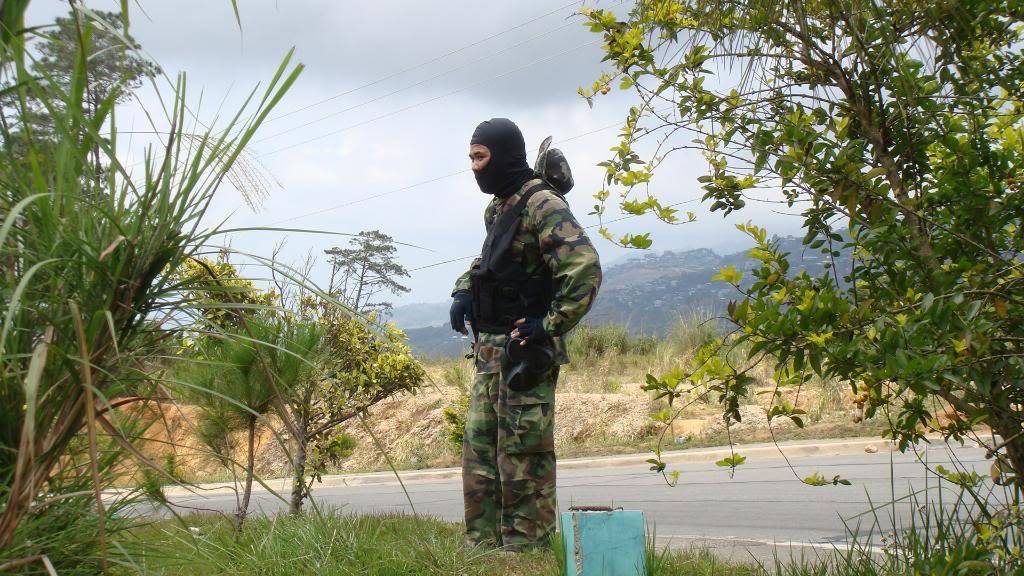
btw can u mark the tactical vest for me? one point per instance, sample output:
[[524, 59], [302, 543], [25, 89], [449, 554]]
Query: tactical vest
[[503, 291]]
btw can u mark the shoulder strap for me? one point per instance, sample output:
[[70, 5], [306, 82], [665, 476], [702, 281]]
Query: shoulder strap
[[500, 233]]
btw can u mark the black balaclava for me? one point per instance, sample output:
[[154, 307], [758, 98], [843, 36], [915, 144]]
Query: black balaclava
[[507, 170]]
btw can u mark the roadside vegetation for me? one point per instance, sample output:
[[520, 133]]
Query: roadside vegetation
[[334, 543], [135, 355], [89, 309], [601, 410], [892, 129]]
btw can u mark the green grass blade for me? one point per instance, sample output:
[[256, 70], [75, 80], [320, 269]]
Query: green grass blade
[[15, 212], [32, 380], [15, 302]]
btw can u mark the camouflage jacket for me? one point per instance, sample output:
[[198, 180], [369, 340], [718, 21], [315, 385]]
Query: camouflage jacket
[[548, 237]]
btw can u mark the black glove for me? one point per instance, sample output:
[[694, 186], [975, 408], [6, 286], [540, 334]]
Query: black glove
[[532, 330], [461, 311]]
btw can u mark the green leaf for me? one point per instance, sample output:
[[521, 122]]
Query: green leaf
[[652, 382], [11, 19], [815, 479], [728, 274], [815, 358], [641, 241], [662, 416], [976, 566], [14, 305], [238, 15], [635, 207], [731, 461], [927, 301], [656, 465]]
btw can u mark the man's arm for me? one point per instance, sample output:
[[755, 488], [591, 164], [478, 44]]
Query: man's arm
[[462, 284], [572, 260]]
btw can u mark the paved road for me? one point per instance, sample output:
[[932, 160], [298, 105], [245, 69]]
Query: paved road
[[761, 507]]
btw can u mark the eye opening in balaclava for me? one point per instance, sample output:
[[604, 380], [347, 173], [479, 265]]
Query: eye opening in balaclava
[[507, 170]]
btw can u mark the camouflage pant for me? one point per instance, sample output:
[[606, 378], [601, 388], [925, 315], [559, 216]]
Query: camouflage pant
[[508, 462]]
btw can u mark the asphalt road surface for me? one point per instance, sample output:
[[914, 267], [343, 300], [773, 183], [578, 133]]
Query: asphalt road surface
[[763, 509]]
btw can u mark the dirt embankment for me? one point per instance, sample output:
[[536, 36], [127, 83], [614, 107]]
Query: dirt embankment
[[411, 427], [172, 442], [414, 434]]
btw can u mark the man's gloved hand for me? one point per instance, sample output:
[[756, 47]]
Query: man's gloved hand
[[461, 311], [530, 330]]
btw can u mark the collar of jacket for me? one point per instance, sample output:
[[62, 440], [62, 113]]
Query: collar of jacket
[[510, 201]]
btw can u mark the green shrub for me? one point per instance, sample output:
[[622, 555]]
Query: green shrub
[[455, 373], [455, 421]]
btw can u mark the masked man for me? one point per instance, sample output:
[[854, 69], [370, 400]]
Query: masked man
[[536, 277]]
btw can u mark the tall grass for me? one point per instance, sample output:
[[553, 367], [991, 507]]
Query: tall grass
[[589, 342], [683, 337], [689, 332], [968, 530], [610, 358], [327, 543], [333, 543], [833, 398], [457, 373], [85, 250]]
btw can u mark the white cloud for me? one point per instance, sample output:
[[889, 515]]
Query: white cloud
[[346, 44]]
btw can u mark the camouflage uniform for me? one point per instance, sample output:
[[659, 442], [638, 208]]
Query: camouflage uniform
[[508, 460]]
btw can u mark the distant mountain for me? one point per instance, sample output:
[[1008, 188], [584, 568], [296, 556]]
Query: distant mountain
[[438, 341], [419, 315], [646, 293]]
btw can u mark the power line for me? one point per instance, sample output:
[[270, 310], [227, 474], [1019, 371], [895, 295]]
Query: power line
[[414, 85], [403, 71], [403, 109], [366, 198], [434, 99], [435, 264], [427, 62], [424, 182]]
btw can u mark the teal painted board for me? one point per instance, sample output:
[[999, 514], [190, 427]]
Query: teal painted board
[[604, 543]]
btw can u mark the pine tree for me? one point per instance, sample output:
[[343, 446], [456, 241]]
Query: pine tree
[[364, 270]]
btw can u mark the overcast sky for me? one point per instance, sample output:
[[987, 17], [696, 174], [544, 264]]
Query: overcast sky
[[407, 82]]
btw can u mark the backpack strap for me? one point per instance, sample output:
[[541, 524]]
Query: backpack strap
[[499, 236]]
